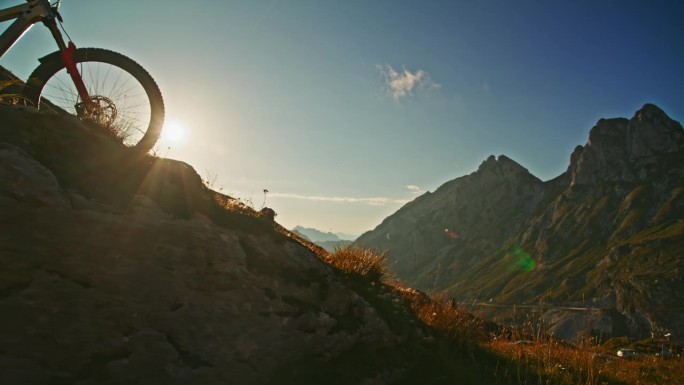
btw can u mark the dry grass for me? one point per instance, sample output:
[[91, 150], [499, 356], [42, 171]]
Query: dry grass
[[521, 359], [551, 360], [558, 362], [649, 370], [444, 316], [567, 364], [548, 360], [363, 262], [233, 204]]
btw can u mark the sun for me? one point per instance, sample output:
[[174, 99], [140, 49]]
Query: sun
[[174, 132]]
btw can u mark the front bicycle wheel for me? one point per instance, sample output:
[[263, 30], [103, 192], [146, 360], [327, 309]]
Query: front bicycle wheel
[[126, 100]]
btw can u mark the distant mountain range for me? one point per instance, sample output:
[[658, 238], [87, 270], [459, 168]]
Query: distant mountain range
[[605, 238], [329, 241]]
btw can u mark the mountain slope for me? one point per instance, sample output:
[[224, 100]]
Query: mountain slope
[[605, 234], [315, 235], [122, 268]]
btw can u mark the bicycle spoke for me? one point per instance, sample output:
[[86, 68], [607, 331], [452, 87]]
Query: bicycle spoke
[[122, 97], [107, 84]]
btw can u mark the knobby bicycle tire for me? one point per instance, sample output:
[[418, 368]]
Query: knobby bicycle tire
[[135, 104]]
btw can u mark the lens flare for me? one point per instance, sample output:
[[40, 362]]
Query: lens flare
[[451, 234], [521, 260]]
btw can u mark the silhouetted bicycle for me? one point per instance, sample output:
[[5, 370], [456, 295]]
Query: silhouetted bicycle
[[97, 85]]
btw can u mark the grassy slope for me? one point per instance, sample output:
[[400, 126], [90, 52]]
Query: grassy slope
[[603, 245]]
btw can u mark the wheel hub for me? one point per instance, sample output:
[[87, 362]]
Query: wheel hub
[[100, 110]]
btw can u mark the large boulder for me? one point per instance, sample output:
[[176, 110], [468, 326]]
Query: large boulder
[[90, 295]]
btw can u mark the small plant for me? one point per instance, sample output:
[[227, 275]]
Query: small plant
[[446, 316], [263, 204], [210, 178], [357, 260], [234, 204]]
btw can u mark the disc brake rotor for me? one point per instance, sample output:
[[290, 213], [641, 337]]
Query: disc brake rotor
[[100, 110]]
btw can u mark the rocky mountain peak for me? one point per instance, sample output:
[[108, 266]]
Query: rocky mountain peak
[[651, 113], [502, 165], [499, 236], [652, 132], [622, 149]]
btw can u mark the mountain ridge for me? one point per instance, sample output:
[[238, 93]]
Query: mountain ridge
[[316, 235], [501, 234], [329, 241]]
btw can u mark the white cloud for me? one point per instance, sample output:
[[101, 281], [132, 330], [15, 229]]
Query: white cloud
[[414, 189], [373, 201], [401, 84]]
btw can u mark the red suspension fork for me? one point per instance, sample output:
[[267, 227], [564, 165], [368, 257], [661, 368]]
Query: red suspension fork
[[70, 65], [67, 52]]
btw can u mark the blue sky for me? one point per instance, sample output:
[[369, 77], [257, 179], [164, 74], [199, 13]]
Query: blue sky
[[345, 110]]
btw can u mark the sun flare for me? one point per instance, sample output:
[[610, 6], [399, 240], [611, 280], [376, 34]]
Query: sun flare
[[175, 132]]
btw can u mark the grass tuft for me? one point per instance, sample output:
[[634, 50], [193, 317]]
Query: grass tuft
[[360, 261]]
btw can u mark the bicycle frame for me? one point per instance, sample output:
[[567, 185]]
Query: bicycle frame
[[26, 15], [30, 13]]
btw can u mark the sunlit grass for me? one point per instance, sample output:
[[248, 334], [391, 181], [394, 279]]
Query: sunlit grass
[[523, 358], [364, 262], [583, 364]]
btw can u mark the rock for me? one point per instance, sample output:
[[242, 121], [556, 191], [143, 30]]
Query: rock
[[626, 150], [268, 214], [166, 300], [92, 296], [26, 181]]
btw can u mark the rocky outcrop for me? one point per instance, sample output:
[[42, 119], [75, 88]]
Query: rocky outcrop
[[90, 296], [121, 268], [606, 235], [621, 150]]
